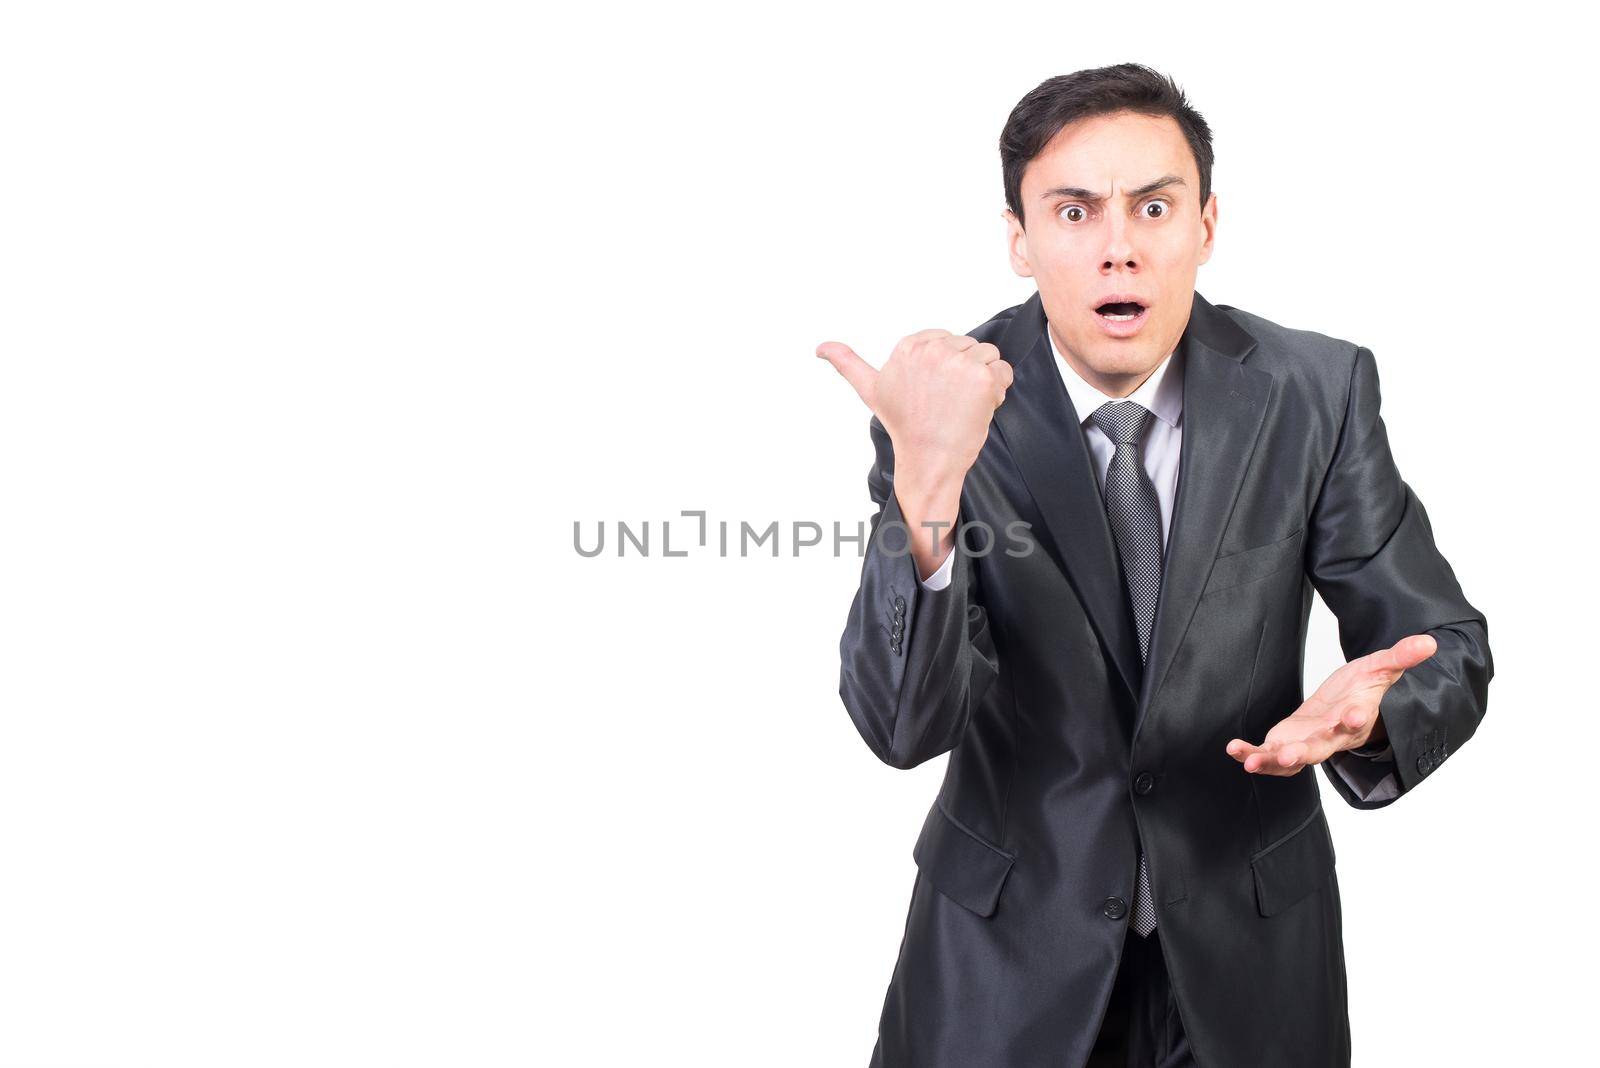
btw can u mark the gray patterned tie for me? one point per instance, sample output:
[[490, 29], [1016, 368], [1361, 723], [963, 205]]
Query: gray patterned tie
[[1135, 512]]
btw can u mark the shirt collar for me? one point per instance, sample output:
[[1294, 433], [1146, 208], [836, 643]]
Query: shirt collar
[[1161, 393]]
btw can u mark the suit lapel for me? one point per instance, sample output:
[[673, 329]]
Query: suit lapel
[[1224, 403], [1224, 406], [1044, 436]]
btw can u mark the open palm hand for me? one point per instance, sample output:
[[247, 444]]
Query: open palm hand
[[1342, 714]]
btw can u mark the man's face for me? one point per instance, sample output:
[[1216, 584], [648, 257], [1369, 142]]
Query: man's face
[[1112, 210]]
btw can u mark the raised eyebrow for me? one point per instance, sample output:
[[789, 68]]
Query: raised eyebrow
[[1078, 193]]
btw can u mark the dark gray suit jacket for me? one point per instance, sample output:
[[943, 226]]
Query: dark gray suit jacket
[[1066, 755]]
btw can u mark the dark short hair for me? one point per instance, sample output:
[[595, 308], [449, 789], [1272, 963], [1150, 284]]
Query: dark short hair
[[1066, 98]]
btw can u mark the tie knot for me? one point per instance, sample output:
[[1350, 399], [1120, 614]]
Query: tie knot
[[1122, 421]]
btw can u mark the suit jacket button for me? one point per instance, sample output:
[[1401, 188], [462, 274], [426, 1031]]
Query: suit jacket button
[[1144, 783], [1115, 908], [1424, 765]]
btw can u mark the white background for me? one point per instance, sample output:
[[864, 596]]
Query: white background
[[323, 324]]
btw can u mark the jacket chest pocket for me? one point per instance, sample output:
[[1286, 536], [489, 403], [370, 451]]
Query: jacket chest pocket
[[962, 866], [1256, 562]]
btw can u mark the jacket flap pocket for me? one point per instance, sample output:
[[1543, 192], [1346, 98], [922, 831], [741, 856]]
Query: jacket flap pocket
[[1294, 866], [962, 866], [1256, 562]]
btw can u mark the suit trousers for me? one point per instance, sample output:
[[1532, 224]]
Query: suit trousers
[[1141, 1027]]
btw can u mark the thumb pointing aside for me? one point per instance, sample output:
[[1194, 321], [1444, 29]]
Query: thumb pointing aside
[[855, 370]]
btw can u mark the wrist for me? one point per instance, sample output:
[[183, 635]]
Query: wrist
[[927, 486], [930, 509], [1379, 734]]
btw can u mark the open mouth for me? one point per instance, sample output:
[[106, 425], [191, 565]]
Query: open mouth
[[1120, 311], [1123, 315]]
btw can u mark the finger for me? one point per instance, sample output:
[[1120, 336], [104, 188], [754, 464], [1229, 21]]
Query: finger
[[1278, 759], [1408, 652], [1000, 376], [1292, 754], [985, 352], [1251, 756], [1269, 758], [858, 372], [1003, 375], [1259, 762]]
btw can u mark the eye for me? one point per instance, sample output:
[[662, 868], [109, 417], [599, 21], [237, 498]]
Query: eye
[[1066, 211], [1160, 204]]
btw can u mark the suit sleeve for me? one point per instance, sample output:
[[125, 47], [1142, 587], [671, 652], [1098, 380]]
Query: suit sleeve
[[1372, 557], [1369, 771], [914, 661]]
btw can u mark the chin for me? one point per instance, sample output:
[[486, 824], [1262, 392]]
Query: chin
[[1124, 360]]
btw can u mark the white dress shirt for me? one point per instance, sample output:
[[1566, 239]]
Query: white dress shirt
[[1370, 774]]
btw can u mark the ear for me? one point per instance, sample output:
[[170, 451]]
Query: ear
[[1208, 220], [1017, 244]]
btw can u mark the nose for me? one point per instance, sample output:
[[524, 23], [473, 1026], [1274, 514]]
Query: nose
[[1119, 253]]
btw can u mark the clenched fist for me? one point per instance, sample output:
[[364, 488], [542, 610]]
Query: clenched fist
[[935, 396]]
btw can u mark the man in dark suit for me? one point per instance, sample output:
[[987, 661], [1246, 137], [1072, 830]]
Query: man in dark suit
[[1125, 864]]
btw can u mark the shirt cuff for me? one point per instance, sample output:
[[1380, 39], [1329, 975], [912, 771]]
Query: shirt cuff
[[941, 578], [1370, 778]]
